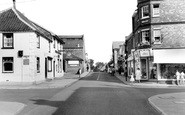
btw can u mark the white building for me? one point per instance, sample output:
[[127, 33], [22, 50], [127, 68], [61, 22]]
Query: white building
[[29, 53]]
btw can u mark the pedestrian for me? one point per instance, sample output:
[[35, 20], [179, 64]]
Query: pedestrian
[[178, 77], [132, 78], [182, 78], [79, 71], [138, 75]]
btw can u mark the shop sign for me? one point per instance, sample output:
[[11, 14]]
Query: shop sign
[[144, 53]]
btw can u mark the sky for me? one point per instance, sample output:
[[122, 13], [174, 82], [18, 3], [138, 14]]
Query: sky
[[100, 21]]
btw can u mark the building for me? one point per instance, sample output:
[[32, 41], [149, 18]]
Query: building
[[158, 38], [117, 53], [74, 53], [29, 53]]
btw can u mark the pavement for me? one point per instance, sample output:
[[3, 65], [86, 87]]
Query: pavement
[[13, 108], [166, 104]]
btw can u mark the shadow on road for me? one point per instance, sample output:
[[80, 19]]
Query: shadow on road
[[100, 101]]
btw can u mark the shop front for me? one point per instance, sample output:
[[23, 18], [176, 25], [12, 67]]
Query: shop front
[[130, 65], [144, 61], [168, 61]]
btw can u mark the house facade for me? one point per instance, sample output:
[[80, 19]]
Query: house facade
[[158, 39], [29, 53], [117, 53], [74, 53]]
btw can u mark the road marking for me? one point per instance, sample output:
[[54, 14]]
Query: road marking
[[98, 77]]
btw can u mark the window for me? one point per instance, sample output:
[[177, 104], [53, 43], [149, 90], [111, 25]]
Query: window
[[54, 43], [7, 40], [145, 12], [157, 36], [38, 65], [38, 41], [49, 64], [49, 46], [7, 64], [156, 11], [145, 37]]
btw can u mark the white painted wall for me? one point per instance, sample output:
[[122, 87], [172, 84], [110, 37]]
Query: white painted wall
[[27, 42]]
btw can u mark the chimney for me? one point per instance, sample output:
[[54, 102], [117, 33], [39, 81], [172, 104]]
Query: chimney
[[14, 5]]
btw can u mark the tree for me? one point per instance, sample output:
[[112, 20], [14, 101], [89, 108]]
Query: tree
[[91, 62]]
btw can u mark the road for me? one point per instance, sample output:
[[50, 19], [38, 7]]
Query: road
[[96, 94]]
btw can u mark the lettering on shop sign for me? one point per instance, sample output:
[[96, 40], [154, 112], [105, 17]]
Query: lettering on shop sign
[[144, 53]]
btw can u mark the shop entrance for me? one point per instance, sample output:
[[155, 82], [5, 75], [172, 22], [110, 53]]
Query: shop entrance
[[144, 69]]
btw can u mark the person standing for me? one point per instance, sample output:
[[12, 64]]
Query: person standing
[[182, 78], [138, 75]]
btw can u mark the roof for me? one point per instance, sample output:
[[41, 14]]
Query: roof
[[11, 20], [71, 36], [70, 56], [73, 41], [116, 44]]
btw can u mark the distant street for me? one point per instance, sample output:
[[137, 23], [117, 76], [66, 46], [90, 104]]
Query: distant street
[[97, 94]]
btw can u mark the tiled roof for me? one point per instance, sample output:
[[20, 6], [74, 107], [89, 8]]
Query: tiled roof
[[12, 20], [71, 57], [73, 42]]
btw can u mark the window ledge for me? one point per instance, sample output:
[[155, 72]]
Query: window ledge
[[157, 43], [7, 72]]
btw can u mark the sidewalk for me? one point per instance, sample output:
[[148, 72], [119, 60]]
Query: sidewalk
[[146, 84], [166, 104], [12, 108]]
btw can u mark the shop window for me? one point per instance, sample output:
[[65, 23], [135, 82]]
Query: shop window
[[168, 70], [145, 37], [7, 40], [38, 65], [7, 64], [157, 36], [156, 10], [49, 64], [145, 12]]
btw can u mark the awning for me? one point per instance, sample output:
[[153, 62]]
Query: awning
[[169, 55]]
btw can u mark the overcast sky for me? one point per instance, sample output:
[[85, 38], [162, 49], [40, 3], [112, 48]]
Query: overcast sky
[[101, 21]]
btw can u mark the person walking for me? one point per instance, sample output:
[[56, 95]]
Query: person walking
[[178, 77], [138, 75]]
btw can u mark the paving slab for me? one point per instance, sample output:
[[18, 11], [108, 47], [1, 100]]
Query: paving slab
[[169, 104], [10, 108]]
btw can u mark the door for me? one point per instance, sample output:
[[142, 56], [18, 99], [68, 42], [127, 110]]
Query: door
[[46, 67], [54, 69], [144, 69]]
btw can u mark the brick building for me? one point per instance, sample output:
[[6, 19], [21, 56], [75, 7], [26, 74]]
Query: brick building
[[74, 53], [158, 39]]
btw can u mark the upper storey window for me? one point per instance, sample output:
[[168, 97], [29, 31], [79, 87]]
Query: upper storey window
[[145, 37], [156, 11], [145, 12], [7, 40]]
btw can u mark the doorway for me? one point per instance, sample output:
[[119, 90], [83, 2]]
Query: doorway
[[46, 68], [144, 69]]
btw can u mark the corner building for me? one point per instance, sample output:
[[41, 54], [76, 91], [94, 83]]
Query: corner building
[[159, 39]]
